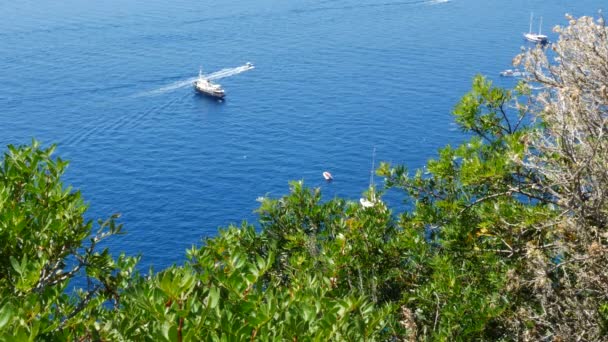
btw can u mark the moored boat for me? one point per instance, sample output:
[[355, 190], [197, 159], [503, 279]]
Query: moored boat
[[513, 73], [370, 200], [328, 177], [538, 38]]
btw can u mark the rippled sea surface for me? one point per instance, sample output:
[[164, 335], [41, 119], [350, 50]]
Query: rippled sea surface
[[333, 80]]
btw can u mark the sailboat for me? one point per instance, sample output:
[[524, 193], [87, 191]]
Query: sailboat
[[536, 37], [371, 201]]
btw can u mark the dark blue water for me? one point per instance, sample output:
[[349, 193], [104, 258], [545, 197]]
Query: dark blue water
[[333, 80]]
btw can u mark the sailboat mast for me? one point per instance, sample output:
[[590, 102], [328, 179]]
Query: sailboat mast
[[540, 25], [371, 173], [531, 16]]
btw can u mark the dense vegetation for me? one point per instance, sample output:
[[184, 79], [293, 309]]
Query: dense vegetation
[[505, 238]]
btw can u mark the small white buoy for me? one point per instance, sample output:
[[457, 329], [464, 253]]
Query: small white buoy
[[328, 177]]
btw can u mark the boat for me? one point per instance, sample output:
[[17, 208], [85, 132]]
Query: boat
[[370, 201], [513, 73], [205, 86], [538, 38], [366, 203], [328, 177]]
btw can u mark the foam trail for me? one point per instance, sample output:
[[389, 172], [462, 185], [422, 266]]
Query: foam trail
[[184, 83], [171, 87], [228, 72]]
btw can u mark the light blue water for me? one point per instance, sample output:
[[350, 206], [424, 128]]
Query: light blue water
[[333, 79]]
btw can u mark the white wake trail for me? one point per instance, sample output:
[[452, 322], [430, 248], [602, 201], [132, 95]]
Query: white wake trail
[[227, 72], [170, 87]]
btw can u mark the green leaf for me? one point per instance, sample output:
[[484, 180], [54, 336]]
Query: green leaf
[[214, 296], [16, 265], [5, 315], [165, 327]]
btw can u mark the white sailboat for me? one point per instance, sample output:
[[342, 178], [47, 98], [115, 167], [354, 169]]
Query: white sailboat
[[371, 200], [536, 37]]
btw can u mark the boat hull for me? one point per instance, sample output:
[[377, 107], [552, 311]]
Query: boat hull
[[535, 38], [215, 94], [513, 73]]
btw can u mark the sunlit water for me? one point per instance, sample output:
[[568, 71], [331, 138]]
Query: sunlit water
[[110, 83]]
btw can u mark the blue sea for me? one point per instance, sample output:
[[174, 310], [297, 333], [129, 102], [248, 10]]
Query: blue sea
[[109, 82]]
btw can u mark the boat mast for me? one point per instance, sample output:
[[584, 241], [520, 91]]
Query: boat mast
[[371, 191], [371, 173], [540, 25], [531, 16]]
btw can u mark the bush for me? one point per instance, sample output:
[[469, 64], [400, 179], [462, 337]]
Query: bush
[[43, 246]]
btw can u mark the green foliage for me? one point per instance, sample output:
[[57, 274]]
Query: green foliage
[[224, 292], [356, 246], [469, 209], [603, 313], [483, 111], [42, 234]]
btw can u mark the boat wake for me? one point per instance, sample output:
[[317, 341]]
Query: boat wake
[[125, 123], [168, 88], [372, 5], [227, 72]]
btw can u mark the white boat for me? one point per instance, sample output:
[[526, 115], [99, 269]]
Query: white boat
[[371, 200], [538, 38], [205, 86], [366, 203], [513, 73], [328, 177]]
